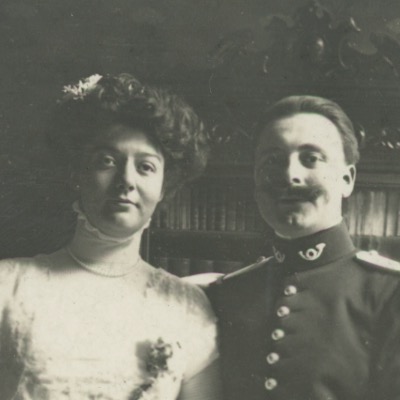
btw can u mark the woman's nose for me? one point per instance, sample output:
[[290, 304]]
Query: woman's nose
[[127, 177]]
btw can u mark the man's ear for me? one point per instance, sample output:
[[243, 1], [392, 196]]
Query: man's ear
[[349, 178]]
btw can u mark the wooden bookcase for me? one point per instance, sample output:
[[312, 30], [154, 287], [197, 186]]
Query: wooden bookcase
[[212, 221], [214, 224]]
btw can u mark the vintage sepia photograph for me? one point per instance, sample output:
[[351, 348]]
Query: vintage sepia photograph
[[200, 200]]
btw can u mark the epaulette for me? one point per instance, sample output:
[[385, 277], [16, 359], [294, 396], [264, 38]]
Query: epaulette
[[204, 280], [261, 261], [374, 259]]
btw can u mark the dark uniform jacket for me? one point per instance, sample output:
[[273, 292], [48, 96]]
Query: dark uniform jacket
[[319, 321]]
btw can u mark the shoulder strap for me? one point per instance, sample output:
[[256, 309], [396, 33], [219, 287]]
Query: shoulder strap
[[261, 261], [374, 259], [203, 280]]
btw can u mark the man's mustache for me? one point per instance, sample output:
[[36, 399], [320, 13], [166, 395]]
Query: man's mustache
[[306, 193]]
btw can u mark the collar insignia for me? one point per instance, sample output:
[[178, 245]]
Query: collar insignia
[[280, 257], [312, 254]]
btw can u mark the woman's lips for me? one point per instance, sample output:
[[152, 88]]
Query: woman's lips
[[123, 202]]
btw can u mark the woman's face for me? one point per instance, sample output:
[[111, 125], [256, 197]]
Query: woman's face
[[121, 181]]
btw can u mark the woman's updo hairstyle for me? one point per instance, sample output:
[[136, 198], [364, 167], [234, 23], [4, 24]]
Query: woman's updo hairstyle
[[94, 104]]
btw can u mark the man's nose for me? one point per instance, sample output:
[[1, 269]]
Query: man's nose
[[294, 172], [127, 177]]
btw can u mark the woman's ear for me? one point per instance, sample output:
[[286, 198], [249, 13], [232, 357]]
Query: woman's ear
[[349, 178]]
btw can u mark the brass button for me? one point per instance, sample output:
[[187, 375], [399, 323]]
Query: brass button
[[278, 334], [283, 311], [270, 383], [290, 290], [272, 358]]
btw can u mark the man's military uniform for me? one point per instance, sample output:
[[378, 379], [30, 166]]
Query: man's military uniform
[[319, 321]]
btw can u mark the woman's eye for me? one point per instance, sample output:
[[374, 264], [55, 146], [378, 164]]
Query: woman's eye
[[147, 167]]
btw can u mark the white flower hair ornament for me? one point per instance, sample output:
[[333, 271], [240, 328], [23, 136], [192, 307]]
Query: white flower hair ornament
[[82, 88]]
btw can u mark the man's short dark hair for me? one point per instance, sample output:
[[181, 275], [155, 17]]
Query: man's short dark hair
[[292, 105]]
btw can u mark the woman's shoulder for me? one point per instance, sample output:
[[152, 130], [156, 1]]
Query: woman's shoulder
[[174, 289], [9, 269], [21, 266], [17, 265], [14, 271]]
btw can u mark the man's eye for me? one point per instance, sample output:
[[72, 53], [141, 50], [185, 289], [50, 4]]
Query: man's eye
[[311, 159]]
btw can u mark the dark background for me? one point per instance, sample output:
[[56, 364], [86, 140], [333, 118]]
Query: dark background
[[45, 44]]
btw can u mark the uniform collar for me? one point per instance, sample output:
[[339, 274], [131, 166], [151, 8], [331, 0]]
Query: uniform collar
[[315, 250]]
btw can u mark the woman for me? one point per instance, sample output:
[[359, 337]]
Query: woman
[[93, 320]]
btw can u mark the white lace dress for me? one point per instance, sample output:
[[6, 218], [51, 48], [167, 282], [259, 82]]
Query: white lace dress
[[69, 333]]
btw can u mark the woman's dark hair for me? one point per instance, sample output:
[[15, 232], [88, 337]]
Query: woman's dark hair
[[292, 105], [95, 103]]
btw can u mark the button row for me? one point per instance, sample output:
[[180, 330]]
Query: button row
[[278, 334]]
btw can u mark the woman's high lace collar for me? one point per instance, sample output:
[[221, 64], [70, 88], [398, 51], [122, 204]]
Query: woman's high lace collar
[[100, 253]]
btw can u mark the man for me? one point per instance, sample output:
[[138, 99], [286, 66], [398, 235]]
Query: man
[[319, 320]]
